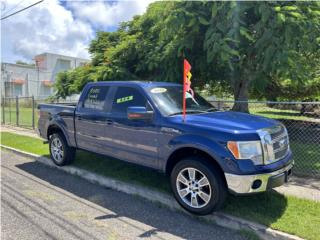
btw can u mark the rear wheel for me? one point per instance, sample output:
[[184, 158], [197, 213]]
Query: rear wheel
[[198, 186], [61, 154]]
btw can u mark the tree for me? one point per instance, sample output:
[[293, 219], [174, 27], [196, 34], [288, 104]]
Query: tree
[[262, 43], [98, 46], [262, 49]]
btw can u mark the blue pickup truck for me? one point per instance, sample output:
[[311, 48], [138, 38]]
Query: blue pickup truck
[[210, 154]]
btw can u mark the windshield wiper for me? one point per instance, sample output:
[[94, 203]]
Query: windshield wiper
[[190, 111], [213, 109]]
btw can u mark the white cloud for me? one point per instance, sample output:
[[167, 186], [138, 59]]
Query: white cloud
[[47, 27], [60, 28], [106, 13]]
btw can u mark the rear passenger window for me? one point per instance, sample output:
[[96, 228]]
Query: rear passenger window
[[95, 98], [126, 97]]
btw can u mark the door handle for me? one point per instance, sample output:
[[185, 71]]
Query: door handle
[[109, 122]]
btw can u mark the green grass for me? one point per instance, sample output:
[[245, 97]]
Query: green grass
[[24, 143], [284, 213], [278, 113]]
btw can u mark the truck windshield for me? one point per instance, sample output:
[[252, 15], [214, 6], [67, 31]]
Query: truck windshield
[[169, 101]]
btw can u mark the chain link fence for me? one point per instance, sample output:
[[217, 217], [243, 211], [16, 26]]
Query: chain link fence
[[19, 111], [22, 111], [302, 120]]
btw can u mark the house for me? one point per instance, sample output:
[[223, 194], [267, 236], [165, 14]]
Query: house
[[35, 79]]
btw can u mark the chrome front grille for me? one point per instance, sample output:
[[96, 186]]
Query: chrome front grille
[[280, 146], [277, 132], [275, 143]]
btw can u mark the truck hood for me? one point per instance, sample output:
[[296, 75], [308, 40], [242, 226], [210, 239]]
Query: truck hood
[[228, 121]]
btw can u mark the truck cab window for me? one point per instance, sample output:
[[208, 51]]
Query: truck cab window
[[95, 98], [126, 97]]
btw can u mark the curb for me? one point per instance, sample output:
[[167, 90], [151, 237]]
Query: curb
[[218, 218]]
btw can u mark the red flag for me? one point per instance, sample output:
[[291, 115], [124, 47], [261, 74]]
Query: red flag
[[186, 85]]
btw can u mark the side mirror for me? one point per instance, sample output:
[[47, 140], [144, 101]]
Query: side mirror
[[139, 113]]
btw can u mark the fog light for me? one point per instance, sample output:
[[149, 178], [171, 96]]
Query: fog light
[[256, 184]]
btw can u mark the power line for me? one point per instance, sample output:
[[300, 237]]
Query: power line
[[13, 8], [21, 10]]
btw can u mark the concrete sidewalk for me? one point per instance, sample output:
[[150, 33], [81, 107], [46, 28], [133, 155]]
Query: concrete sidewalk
[[18, 130], [306, 188]]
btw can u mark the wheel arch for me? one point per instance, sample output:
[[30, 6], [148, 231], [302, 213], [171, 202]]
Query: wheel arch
[[55, 128], [184, 152]]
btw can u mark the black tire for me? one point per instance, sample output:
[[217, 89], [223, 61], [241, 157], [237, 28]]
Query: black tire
[[215, 179], [68, 153]]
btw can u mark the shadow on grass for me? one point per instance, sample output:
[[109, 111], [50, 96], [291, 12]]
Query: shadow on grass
[[265, 208], [111, 167]]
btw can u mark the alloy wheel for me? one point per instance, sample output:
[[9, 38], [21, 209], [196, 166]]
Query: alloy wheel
[[57, 150], [193, 187]]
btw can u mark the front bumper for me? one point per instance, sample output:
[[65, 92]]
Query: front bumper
[[242, 184]]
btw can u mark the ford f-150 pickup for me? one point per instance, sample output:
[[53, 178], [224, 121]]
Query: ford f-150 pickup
[[210, 154]]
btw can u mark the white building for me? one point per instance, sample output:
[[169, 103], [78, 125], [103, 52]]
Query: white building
[[35, 80]]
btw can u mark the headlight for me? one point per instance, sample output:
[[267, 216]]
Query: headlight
[[247, 150]]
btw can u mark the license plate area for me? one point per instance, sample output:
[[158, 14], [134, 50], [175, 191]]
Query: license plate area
[[278, 180]]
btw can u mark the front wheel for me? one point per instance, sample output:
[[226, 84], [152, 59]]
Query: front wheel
[[61, 154], [198, 186]]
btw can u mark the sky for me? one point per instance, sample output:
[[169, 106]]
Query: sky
[[62, 27]]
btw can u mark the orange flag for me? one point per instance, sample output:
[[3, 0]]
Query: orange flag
[[186, 85]]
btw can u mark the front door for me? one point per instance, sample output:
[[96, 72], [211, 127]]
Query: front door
[[132, 140]]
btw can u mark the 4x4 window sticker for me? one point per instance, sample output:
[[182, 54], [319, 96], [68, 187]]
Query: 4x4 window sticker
[[124, 99]]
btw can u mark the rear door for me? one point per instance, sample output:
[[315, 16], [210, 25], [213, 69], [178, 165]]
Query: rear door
[[91, 118], [132, 140]]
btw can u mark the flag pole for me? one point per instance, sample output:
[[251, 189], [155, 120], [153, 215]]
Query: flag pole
[[184, 93]]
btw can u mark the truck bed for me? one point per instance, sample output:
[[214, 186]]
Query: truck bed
[[63, 113]]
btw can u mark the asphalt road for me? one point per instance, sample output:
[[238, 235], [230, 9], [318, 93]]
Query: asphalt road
[[39, 202]]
